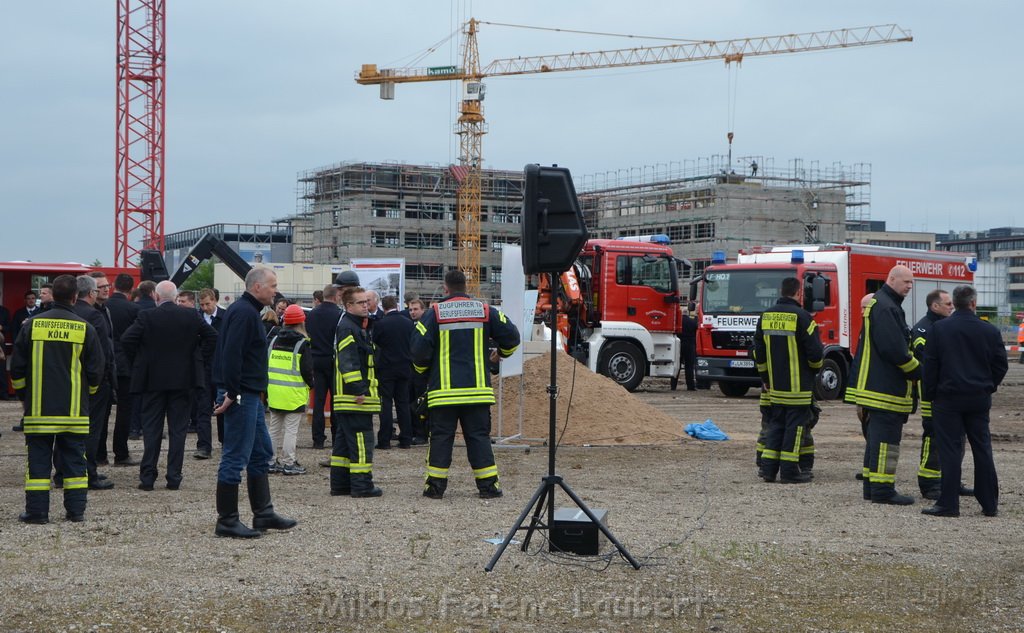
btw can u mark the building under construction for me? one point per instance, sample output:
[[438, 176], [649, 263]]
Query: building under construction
[[706, 205], [364, 210]]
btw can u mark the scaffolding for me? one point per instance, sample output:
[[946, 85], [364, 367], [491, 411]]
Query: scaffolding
[[654, 184]]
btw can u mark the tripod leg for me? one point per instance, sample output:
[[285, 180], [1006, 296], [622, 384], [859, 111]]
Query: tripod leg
[[535, 500], [537, 511], [601, 526]]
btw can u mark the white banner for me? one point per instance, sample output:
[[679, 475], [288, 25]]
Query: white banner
[[513, 299], [385, 276]]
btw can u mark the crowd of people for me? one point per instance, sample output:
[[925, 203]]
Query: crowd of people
[[949, 364], [171, 365]]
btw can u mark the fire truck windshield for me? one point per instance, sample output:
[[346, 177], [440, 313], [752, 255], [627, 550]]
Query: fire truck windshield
[[742, 291]]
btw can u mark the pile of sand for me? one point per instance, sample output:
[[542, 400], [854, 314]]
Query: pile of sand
[[600, 411]]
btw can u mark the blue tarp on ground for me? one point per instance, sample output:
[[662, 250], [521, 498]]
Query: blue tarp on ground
[[706, 430]]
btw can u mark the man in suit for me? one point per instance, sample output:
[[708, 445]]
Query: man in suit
[[391, 336], [320, 324], [964, 363], [376, 314], [99, 401], [163, 344], [123, 313], [212, 314], [24, 312]]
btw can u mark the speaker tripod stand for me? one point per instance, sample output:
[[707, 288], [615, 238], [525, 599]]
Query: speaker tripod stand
[[544, 497]]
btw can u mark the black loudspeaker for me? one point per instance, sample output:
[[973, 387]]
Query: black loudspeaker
[[152, 267], [553, 229]]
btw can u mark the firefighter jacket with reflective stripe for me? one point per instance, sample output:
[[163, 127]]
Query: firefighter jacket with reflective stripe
[[451, 341], [58, 362], [788, 353], [884, 370], [919, 340], [354, 374], [289, 371]]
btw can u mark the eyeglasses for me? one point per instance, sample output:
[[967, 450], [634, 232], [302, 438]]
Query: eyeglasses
[[362, 303]]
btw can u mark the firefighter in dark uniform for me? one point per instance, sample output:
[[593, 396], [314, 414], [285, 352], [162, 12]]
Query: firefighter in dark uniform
[[356, 400], [881, 381], [58, 362], [964, 364], [788, 354], [940, 306], [806, 445], [451, 343]]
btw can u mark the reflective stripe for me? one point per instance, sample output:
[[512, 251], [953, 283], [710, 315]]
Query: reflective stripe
[[76, 483], [794, 454], [18, 383], [339, 462], [922, 470], [37, 377], [36, 484], [436, 472], [480, 358], [910, 365], [485, 472], [76, 380], [422, 329], [444, 362], [345, 342], [360, 451], [815, 364], [770, 454]]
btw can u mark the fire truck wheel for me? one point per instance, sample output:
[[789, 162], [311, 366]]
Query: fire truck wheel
[[733, 389], [623, 363], [829, 383]]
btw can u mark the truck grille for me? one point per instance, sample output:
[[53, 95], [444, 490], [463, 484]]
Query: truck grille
[[732, 340]]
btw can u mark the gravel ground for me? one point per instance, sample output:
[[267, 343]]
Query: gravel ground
[[722, 551]]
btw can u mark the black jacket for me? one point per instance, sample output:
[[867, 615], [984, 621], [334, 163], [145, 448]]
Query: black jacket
[[392, 336], [48, 350], [98, 319], [122, 314], [788, 353], [919, 340], [240, 363], [884, 369], [457, 360], [355, 373], [321, 323], [162, 345], [964, 358], [146, 303]]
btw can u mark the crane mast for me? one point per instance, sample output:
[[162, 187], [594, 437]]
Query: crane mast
[[139, 155]]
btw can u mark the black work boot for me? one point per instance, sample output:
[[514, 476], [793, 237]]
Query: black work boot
[[434, 487], [34, 518], [867, 489], [769, 469], [930, 492], [341, 482], [489, 488], [362, 486], [227, 513], [886, 493], [790, 474], [263, 515]]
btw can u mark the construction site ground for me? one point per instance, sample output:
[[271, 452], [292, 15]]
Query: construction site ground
[[721, 549]]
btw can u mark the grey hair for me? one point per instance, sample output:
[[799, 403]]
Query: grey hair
[[166, 291], [86, 285], [258, 275]]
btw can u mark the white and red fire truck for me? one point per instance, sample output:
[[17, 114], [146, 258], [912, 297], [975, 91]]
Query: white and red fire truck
[[836, 278], [618, 309]]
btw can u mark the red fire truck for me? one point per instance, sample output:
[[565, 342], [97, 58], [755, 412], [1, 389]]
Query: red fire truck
[[618, 308], [836, 278]]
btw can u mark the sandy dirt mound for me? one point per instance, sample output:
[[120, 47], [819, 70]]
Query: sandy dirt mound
[[600, 412]]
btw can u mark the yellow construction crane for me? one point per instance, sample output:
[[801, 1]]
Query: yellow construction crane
[[471, 117]]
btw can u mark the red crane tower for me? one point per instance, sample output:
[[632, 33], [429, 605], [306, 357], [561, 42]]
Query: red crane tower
[[139, 180]]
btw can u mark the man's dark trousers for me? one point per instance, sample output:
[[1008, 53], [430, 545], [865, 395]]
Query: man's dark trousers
[[953, 419], [323, 381], [123, 418], [394, 391], [155, 405], [99, 412]]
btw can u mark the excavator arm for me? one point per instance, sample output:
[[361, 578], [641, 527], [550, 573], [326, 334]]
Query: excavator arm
[[206, 248]]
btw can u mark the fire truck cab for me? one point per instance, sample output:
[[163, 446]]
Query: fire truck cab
[[618, 309], [836, 277]]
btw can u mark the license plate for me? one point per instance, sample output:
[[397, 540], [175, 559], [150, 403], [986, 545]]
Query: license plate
[[742, 364]]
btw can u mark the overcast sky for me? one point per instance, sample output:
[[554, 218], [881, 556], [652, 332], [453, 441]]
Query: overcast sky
[[259, 90]]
